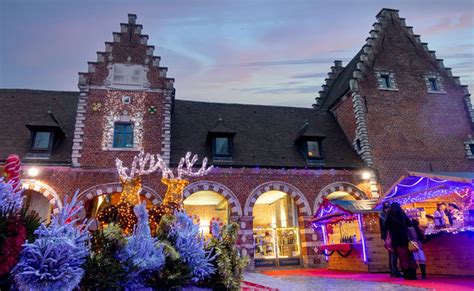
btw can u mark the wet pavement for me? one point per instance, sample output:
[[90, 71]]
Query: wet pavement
[[301, 283]]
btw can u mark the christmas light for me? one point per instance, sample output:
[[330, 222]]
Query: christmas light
[[33, 172], [362, 238], [115, 110]]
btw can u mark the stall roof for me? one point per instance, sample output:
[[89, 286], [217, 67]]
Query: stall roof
[[332, 211], [356, 206], [423, 185]]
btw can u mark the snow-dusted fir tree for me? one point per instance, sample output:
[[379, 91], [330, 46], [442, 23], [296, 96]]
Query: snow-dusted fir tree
[[55, 260], [142, 250]]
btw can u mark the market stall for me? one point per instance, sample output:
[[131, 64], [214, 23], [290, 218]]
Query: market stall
[[351, 235], [443, 205]]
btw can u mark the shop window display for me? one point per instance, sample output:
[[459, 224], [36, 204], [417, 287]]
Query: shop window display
[[275, 231]]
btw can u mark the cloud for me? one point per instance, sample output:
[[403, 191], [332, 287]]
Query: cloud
[[310, 76], [287, 62]]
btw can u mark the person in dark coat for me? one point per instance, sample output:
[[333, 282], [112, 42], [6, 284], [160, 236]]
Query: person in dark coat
[[385, 236], [397, 224]]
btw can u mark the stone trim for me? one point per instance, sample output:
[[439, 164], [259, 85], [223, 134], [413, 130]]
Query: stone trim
[[168, 99], [109, 188], [352, 189], [301, 202], [234, 204], [47, 191], [78, 140]]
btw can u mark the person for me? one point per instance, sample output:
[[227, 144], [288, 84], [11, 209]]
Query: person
[[456, 214], [385, 236], [397, 224], [440, 215], [417, 235]]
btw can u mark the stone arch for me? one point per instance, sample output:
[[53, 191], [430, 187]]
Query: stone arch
[[351, 189], [300, 200], [235, 208], [46, 190], [109, 188]]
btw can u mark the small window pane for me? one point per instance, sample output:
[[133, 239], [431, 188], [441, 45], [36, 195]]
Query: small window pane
[[41, 140], [386, 81], [123, 135], [222, 146], [472, 148], [433, 84], [313, 149]]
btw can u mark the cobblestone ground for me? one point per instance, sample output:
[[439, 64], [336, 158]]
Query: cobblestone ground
[[303, 283]]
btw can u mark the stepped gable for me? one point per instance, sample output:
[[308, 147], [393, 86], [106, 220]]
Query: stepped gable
[[129, 46], [22, 107], [354, 71], [264, 136]]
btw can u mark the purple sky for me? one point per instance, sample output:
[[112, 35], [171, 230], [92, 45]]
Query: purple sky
[[260, 52]]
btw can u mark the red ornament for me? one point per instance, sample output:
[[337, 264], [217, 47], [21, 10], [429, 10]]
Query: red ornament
[[12, 168]]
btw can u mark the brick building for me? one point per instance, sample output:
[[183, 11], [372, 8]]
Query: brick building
[[393, 107]]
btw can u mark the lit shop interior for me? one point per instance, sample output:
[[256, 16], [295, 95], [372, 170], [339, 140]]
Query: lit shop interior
[[206, 206], [275, 230], [443, 205]]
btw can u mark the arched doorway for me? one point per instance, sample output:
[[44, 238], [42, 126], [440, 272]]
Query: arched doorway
[[35, 201], [97, 197], [206, 206], [277, 209], [339, 191]]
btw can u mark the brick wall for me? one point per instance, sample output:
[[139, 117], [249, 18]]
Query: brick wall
[[409, 128]]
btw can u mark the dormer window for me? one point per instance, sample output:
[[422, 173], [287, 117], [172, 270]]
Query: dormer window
[[309, 142], [313, 150], [221, 147], [220, 137], [45, 134], [123, 135], [41, 140]]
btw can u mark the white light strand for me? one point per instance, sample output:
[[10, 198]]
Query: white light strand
[[189, 167], [147, 164]]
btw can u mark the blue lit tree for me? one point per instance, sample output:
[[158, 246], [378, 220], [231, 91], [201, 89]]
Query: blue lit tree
[[55, 260]]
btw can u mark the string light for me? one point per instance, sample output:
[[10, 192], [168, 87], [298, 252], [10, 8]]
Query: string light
[[115, 108]]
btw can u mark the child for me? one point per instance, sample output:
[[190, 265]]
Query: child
[[417, 235]]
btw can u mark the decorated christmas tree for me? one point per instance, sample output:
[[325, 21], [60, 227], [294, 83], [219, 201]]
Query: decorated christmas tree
[[54, 261], [17, 224]]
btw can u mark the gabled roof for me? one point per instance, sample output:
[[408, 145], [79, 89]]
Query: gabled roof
[[340, 85], [20, 108], [264, 135]]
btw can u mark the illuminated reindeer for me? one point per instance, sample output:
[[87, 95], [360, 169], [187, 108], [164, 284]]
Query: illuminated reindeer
[[147, 164]]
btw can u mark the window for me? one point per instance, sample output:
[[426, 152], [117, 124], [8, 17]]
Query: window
[[41, 140], [221, 147], [385, 81], [433, 84], [123, 135], [471, 146], [313, 150]]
